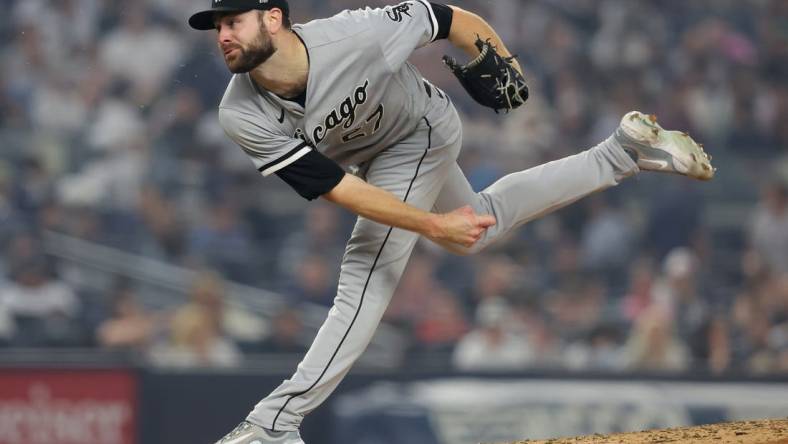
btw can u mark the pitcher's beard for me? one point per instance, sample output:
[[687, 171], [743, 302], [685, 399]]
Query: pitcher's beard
[[252, 57]]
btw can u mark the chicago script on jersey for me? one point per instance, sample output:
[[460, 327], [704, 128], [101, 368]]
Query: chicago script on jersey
[[344, 114]]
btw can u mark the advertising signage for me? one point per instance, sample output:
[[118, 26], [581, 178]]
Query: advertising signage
[[68, 407]]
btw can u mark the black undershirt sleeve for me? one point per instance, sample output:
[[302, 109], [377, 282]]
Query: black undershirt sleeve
[[312, 175], [444, 15]]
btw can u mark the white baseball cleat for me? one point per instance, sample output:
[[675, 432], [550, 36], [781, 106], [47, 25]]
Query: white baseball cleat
[[657, 149], [248, 433]]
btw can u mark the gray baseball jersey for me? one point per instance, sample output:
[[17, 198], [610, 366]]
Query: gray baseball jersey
[[366, 105], [362, 95]]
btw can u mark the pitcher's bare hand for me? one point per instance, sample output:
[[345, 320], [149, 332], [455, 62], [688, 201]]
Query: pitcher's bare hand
[[461, 226]]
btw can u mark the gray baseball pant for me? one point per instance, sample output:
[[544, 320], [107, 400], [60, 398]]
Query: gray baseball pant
[[423, 171]]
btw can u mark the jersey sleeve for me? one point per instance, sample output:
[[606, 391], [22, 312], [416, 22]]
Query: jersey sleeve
[[401, 29], [269, 151], [306, 170]]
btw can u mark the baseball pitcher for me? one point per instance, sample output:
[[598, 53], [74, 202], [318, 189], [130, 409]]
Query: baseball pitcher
[[333, 108]]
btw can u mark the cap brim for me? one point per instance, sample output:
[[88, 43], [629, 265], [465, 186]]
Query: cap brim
[[203, 20]]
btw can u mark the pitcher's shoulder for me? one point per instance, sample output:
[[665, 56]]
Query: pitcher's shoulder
[[240, 91], [342, 26]]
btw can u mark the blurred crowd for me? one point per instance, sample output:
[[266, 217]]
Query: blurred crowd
[[108, 133]]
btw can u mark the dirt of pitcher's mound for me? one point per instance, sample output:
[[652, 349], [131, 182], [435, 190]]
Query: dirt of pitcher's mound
[[745, 432]]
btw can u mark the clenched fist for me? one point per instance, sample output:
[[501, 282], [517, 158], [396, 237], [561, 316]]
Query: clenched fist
[[460, 227]]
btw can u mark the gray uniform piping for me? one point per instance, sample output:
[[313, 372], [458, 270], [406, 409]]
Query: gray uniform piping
[[366, 284]]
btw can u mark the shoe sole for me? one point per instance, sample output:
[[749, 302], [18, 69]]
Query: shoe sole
[[250, 433], [666, 151]]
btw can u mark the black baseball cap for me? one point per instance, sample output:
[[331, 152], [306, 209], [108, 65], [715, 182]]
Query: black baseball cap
[[203, 20]]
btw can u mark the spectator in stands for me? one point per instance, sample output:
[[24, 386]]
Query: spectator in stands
[[760, 358], [315, 283], [425, 308], [769, 227], [239, 325], [655, 345], [198, 331], [32, 188], [674, 218], [195, 340], [601, 351], [322, 235], [677, 292], [10, 220], [711, 346], [221, 241], [45, 310], [497, 343], [532, 322], [641, 282], [161, 230], [577, 308], [135, 39], [130, 326], [287, 334], [607, 239], [760, 326], [494, 277]]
